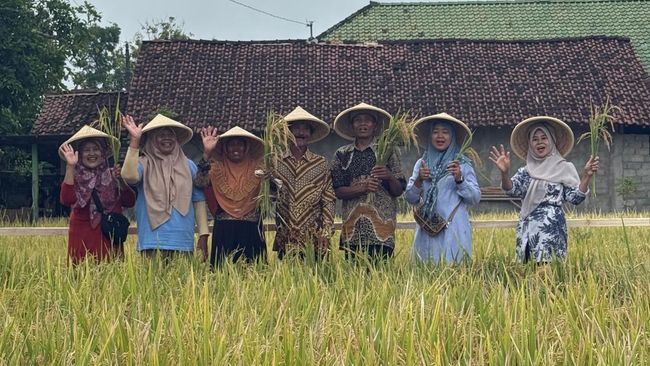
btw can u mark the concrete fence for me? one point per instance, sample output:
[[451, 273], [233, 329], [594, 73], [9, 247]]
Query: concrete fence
[[402, 225]]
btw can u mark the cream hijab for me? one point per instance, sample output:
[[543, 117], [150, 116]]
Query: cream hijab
[[167, 182], [551, 169]]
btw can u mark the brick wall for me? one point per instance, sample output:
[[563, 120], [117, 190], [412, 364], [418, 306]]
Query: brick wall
[[629, 158], [635, 163]]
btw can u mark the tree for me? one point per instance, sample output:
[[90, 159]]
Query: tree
[[162, 29], [102, 64], [39, 39], [32, 56], [157, 29], [96, 64], [45, 42]]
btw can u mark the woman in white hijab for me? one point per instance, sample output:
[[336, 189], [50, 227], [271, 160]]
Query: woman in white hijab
[[544, 184]]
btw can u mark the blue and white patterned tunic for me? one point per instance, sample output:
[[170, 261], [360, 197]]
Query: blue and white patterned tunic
[[542, 235]]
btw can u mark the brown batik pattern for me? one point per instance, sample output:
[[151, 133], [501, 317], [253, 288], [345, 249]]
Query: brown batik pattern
[[366, 223], [306, 201]]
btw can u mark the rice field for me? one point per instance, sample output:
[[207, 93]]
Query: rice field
[[593, 309]]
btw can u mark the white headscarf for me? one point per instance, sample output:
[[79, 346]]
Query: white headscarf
[[552, 168]]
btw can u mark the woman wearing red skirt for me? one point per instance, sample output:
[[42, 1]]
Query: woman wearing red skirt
[[87, 170]]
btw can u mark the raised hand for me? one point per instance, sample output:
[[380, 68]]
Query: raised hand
[[592, 166], [71, 156], [210, 138], [453, 168], [500, 158], [135, 130]]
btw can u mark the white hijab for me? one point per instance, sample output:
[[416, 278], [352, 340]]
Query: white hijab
[[550, 169]]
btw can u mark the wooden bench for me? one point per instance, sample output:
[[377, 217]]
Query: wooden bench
[[496, 194]]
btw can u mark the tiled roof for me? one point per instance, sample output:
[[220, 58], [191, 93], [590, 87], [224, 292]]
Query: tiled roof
[[505, 20], [64, 114], [481, 82]]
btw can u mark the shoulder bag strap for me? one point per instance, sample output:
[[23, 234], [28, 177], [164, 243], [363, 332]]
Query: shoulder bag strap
[[453, 213], [100, 207]]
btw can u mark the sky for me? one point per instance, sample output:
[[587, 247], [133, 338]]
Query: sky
[[225, 20]]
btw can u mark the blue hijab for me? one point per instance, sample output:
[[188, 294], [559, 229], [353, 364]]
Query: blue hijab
[[437, 161]]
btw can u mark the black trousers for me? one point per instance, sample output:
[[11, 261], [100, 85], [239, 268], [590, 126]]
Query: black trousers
[[239, 239]]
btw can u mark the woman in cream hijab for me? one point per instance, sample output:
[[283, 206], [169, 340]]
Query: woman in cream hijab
[[544, 184], [168, 205], [227, 173]]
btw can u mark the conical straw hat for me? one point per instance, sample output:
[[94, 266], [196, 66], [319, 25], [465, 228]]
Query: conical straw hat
[[86, 132], [562, 132], [183, 133], [423, 130], [320, 129], [343, 122], [256, 144]]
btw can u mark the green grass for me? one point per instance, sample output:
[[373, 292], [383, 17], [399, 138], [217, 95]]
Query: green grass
[[593, 309]]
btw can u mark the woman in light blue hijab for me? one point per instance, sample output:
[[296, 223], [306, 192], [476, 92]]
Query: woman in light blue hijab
[[443, 183]]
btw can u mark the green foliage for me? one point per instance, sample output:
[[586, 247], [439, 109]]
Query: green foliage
[[593, 309], [47, 41], [19, 162], [16, 161], [166, 111], [168, 29], [98, 65], [157, 29], [627, 188], [43, 43], [37, 38]]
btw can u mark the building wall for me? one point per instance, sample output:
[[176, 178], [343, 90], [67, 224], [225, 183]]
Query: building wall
[[633, 164], [629, 158]]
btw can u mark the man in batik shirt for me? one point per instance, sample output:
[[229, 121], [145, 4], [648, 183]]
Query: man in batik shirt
[[368, 224], [306, 201]]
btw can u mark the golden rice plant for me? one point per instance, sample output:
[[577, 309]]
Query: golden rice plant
[[277, 141], [399, 132], [111, 124], [600, 118], [467, 150], [487, 311]]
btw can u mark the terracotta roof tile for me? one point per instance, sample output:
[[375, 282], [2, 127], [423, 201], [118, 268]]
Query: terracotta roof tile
[[486, 83], [64, 114]]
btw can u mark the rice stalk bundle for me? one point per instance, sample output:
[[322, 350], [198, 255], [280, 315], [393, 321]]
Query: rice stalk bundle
[[399, 133], [277, 142], [600, 118], [111, 124], [467, 150]]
